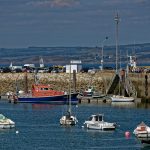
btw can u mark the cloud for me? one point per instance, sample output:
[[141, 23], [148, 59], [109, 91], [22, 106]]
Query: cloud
[[54, 3], [126, 2], [64, 3]]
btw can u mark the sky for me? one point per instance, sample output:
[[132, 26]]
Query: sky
[[25, 23]]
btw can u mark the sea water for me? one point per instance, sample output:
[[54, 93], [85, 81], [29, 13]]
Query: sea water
[[38, 128]]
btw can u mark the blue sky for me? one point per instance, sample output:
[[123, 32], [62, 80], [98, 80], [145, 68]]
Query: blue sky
[[26, 23]]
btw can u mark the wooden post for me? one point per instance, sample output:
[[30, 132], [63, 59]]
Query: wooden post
[[146, 85], [74, 81], [26, 82]]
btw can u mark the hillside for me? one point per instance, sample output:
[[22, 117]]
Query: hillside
[[62, 55]]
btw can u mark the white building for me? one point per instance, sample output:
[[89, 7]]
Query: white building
[[29, 65], [74, 65], [14, 67], [41, 63]]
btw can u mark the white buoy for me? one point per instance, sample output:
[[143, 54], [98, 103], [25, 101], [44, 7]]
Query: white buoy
[[17, 132]]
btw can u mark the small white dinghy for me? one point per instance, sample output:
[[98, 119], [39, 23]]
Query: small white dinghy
[[97, 122], [142, 131], [118, 98], [6, 123]]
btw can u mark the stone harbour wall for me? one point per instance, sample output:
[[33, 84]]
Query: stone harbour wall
[[60, 81]]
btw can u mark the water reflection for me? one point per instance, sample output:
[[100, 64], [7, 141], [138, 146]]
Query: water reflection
[[123, 104], [42, 106], [145, 147], [34, 106], [143, 105], [2, 131], [95, 133]]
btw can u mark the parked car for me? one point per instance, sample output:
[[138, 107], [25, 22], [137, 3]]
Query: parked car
[[17, 70], [6, 70], [92, 70]]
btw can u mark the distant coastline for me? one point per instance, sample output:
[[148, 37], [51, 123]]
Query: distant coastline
[[63, 55]]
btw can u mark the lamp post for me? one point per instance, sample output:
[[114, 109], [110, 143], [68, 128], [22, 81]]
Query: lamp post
[[102, 60], [117, 24]]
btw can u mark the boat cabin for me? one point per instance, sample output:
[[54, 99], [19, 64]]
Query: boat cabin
[[98, 117], [39, 90]]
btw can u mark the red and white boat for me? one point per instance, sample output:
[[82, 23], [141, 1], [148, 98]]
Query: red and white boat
[[41, 93], [142, 131]]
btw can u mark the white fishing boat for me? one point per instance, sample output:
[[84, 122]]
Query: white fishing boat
[[97, 122], [6, 123], [120, 98], [142, 131], [69, 119]]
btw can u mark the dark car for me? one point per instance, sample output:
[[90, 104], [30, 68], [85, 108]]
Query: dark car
[[17, 70], [6, 70]]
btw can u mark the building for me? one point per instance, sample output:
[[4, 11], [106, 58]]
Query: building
[[29, 66], [14, 67], [41, 63], [74, 65]]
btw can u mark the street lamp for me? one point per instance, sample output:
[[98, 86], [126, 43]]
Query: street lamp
[[102, 60], [117, 19]]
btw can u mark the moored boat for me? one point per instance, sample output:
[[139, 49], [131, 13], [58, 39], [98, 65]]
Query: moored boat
[[119, 98], [44, 94], [69, 118], [97, 122], [142, 131], [91, 93], [6, 123]]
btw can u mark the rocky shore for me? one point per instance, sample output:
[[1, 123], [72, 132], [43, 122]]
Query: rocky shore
[[60, 81]]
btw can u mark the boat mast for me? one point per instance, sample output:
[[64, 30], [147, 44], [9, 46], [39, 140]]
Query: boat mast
[[117, 24]]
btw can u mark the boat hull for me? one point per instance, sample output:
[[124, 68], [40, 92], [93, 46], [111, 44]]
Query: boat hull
[[143, 135], [7, 126], [59, 99], [100, 127], [122, 99], [146, 142]]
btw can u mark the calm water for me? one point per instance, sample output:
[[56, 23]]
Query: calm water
[[39, 129]]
